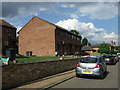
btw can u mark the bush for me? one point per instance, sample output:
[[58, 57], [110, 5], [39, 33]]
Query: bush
[[113, 52], [103, 54]]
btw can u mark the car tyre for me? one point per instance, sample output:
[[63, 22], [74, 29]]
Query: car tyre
[[101, 76], [77, 75]]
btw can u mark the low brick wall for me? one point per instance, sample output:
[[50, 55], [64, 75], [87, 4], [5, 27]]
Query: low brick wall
[[18, 74]]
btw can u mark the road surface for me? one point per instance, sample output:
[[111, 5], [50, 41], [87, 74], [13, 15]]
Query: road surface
[[110, 80]]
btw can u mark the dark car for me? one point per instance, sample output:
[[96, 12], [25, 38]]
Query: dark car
[[116, 57], [110, 59]]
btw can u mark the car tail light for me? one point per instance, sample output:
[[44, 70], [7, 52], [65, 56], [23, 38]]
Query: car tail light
[[97, 66], [77, 65]]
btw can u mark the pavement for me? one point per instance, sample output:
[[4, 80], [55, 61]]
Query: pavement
[[49, 81]]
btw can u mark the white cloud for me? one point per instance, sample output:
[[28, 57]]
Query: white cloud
[[98, 10], [74, 15], [42, 9], [68, 5], [34, 13], [88, 30]]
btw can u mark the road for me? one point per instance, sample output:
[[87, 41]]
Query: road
[[110, 80]]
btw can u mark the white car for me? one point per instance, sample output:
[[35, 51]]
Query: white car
[[118, 54], [91, 65]]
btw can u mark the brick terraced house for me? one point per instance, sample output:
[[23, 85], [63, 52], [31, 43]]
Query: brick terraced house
[[46, 39], [8, 37]]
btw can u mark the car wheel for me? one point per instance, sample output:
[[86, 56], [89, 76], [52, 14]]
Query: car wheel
[[77, 75], [102, 76], [114, 63]]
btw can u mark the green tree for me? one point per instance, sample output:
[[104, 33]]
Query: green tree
[[118, 48], [104, 48], [89, 44], [74, 32], [84, 41], [113, 52]]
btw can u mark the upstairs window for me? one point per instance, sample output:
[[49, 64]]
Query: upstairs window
[[59, 32]]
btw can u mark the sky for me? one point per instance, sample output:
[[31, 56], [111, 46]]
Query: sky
[[96, 21]]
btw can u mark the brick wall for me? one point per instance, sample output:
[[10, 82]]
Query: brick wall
[[67, 43], [18, 74], [8, 33], [37, 36], [42, 38]]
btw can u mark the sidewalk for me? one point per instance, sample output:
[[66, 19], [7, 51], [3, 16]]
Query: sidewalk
[[49, 81]]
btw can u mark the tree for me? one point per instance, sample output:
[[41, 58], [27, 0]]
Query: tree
[[113, 52], [104, 48], [117, 48], [85, 41], [74, 32], [89, 44]]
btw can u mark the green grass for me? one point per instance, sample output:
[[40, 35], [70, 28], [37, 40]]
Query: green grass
[[99, 53], [38, 58], [96, 52]]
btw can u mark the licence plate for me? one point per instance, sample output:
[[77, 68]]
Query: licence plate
[[87, 72], [107, 59]]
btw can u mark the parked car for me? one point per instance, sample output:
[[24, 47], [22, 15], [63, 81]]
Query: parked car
[[110, 59], [118, 54], [91, 65], [116, 57]]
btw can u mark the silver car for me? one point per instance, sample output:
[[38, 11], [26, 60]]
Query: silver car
[[91, 65]]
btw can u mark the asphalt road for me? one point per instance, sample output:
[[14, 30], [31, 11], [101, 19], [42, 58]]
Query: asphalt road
[[110, 80]]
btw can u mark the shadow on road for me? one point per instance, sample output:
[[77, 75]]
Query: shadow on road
[[94, 77]]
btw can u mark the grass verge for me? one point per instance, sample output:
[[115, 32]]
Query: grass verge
[[38, 58]]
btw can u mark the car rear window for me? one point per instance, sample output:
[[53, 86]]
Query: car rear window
[[88, 60]]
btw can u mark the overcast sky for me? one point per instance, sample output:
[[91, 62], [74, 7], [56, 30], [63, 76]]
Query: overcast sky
[[97, 21]]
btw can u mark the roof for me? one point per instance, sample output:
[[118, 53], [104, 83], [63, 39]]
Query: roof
[[86, 48], [95, 46], [51, 24], [4, 23]]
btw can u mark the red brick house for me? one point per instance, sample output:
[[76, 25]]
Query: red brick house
[[95, 47], [87, 50], [46, 39], [8, 37]]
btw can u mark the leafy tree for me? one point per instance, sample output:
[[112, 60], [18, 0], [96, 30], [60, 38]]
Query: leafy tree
[[113, 52], [74, 32], [85, 41], [118, 48], [104, 48], [89, 44]]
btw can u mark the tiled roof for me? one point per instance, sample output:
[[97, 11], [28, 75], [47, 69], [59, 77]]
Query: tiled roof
[[4, 23], [87, 48], [95, 46]]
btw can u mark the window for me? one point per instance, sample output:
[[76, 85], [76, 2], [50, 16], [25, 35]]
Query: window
[[6, 43], [58, 32], [75, 37], [72, 36], [88, 60], [78, 38], [58, 47], [66, 34]]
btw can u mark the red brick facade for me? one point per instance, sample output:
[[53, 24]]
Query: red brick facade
[[8, 35], [46, 39]]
